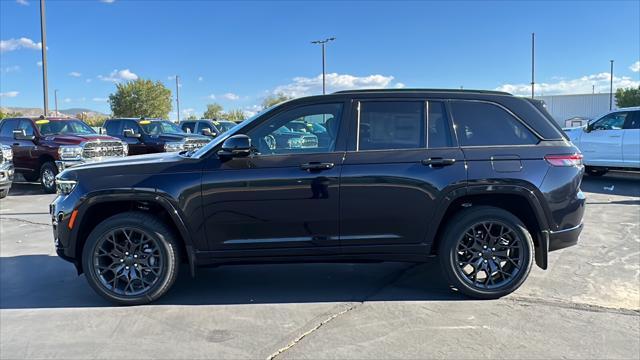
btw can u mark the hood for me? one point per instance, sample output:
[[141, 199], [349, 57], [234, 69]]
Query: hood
[[75, 139], [178, 137], [129, 164]]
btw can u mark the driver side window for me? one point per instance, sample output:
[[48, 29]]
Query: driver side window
[[613, 121], [305, 129]]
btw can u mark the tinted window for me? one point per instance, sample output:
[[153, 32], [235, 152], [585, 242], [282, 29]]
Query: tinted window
[[439, 133], [189, 127], [27, 126], [284, 134], [391, 125], [130, 124], [484, 124], [204, 125], [613, 121], [112, 128], [7, 128], [633, 121]]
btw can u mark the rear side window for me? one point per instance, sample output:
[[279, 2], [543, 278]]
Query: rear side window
[[438, 129], [485, 124], [632, 121], [112, 128], [391, 125], [27, 126]]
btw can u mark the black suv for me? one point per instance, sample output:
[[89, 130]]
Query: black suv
[[146, 136], [484, 180]]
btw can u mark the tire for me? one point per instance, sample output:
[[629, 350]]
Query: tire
[[595, 171], [167, 259], [455, 252], [47, 170], [31, 177], [4, 193]]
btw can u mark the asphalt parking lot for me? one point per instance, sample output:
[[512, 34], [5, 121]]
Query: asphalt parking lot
[[587, 305]]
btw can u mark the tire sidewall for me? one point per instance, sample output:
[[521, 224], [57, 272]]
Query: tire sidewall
[[52, 166], [167, 250], [464, 222]]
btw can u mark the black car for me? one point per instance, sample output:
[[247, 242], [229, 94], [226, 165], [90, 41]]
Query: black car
[[484, 180], [207, 127], [145, 136], [6, 170]]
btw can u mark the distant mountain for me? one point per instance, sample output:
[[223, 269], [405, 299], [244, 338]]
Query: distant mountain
[[38, 111]]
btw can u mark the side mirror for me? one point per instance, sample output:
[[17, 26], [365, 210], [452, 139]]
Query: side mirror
[[207, 132], [236, 146], [21, 134], [131, 134]]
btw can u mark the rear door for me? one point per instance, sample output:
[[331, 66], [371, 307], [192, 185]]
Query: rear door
[[401, 159], [631, 140], [602, 146]]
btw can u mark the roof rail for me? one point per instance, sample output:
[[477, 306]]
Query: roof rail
[[423, 90]]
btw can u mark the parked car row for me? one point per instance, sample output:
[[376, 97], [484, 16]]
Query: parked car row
[[6, 169], [42, 147], [611, 142]]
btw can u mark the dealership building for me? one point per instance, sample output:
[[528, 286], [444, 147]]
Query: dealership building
[[567, 110]]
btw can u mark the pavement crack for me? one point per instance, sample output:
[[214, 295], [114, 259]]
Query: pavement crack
[[393, 278], [574, 305], [25, 221]]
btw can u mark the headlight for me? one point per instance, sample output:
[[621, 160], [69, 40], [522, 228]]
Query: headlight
[[70, 152], [7, 154], [65, 187], [174, 146], [125, 149]]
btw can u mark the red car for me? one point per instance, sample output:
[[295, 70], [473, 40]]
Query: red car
[[42, 147]]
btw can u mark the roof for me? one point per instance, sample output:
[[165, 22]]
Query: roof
[[457, 91]]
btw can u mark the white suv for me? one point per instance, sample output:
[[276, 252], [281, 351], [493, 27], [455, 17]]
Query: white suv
[[611, 142]]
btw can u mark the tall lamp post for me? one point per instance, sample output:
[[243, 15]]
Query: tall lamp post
[[43, 39], [533, 64], [611, 88], [322, 42], [178, 96]]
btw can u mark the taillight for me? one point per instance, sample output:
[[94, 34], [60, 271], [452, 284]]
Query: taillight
[[564, 160]]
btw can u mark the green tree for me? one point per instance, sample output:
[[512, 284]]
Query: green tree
[[236, 115], [141, 98], [191, 117], [628, 97], [275, 99], [214, 111]]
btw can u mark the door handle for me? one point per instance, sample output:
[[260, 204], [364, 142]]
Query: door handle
[[438, 162], [311, 166]]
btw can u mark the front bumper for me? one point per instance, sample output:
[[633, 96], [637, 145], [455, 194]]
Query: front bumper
[[6, 176], [60, 210], [564, 238]]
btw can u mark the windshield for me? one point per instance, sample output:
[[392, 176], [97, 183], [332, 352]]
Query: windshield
[[56, 127], [160, 127]]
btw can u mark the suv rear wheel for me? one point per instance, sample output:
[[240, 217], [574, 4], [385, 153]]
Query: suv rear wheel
[[486, 252], [131, 258], [48, 173]]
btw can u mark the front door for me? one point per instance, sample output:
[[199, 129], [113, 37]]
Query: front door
[[602, 146], [284, 195], [402, 158]]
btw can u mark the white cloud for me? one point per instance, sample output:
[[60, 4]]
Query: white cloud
[[200, 79], [23, 2], [10, 69], [88, 80], [231, 96], [635, 67], [10, 94], [212, 97], [582, 85], [171, 77], [108, 1], [119, 75], [252, 110], [16, 44], [39, 63], [67, 100], [75, 74], [187, 112], [99, 99], [303, 86]]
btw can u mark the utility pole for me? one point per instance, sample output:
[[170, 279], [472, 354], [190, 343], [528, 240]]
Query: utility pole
[[178, 96], [322, 43], [533, 64], [43, 39], [611, 88], [55, 96]]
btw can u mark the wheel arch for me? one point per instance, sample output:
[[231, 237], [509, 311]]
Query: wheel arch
[[522, 201], [99, 206]]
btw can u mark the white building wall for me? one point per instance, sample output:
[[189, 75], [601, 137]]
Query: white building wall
[[563, 107]]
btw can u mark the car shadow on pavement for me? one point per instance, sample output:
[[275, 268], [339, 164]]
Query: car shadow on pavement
[[614, 183], [25, 188], [42, 281]]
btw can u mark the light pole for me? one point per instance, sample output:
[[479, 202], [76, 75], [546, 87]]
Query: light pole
[[611, 88], [178, 96], [55, 96], [322, 42], [533, 63], [43, 39]]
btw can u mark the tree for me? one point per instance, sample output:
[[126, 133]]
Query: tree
[[234, 115], [628, 97], [91, 120], [214, 111], [275, 99], [141, 98], [191, 117], [9, 114]]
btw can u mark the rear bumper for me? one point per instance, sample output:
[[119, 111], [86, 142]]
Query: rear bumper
[[564, 238]]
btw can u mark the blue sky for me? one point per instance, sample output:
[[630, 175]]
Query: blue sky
[[236, 53]]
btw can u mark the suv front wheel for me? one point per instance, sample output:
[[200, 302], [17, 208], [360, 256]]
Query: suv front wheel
[[486, 252], [131, 258]]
